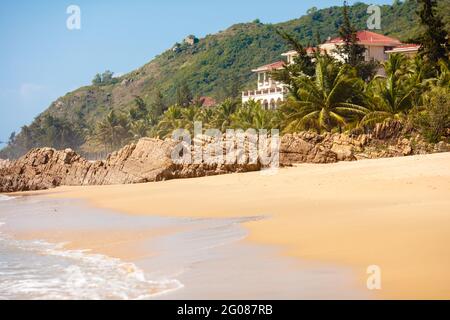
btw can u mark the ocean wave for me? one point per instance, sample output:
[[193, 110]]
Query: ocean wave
[[6, 198], [40, 270]]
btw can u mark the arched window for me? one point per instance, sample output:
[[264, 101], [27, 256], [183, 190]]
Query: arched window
[[265, 104], [272, 104], [279, 101]]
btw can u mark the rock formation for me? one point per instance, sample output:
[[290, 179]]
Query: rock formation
[[4, 163], [146, 161], [151, 159]]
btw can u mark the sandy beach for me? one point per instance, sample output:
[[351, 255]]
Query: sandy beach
[[393, 213]]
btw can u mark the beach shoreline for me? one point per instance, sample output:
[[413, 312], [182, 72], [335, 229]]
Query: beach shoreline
[[148, 257], [393, 213]]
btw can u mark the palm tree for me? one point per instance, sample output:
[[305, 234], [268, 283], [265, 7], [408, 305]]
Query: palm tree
[[328, 99], [253, 115], [443, 79], [206, 116], [223, 113], [113, 131], [189, 116], [392, 95], [139, 129], [171, 120]]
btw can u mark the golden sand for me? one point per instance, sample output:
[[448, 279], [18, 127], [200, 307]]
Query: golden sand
[[394, 213]]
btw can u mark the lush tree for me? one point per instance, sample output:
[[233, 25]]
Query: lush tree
[[139, 129], [184, 95], [391, 95], [158, 105], [252, 115], [443, 79], [170, 121], [207, 116], [303, 62], [433, 117], [223, 113], [105, 78], [59, 133], [351, 51], [434, 40], [113, 132], [235, 87], [140, 110], [326, 100], [97, 79], [188, 116]]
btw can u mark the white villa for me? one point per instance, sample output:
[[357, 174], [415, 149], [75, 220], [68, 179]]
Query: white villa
[[271, 93]]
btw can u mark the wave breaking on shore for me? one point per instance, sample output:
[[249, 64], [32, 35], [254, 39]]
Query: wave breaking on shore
[[41, 270]]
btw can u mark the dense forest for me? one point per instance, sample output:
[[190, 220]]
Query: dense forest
[[164, 93]]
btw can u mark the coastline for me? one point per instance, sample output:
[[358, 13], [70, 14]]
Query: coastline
[[94, 253], [388, 212]]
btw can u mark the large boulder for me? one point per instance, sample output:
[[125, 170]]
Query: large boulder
[[146, 161], [4, 163], [315, 148]]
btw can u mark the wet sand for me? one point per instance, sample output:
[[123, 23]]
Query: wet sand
[[394, 213], [149, 257]]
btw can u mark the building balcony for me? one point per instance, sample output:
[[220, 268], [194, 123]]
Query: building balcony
[[263, 92], [269, 98]]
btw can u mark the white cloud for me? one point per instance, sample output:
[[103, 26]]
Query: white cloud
[[29, 90]]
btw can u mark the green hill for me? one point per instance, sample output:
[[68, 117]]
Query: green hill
[[218, 65]]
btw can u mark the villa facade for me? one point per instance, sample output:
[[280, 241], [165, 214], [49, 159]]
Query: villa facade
[[271, 93]]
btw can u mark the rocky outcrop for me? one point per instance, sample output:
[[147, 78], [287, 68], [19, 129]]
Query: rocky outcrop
[[327, 148], [152, 159], [387, 130], [4, 163], [146, 161], [314, 148]]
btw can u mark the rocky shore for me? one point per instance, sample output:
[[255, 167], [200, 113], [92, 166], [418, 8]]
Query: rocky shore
[[150, 160]]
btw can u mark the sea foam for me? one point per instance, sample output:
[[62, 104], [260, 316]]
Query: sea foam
[[40, 270], [5, 198]]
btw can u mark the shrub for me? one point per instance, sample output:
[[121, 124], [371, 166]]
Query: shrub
[[433, 119]]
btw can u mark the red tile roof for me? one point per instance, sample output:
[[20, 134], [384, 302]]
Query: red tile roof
[[207, 102], [369, 37], [270, 67]]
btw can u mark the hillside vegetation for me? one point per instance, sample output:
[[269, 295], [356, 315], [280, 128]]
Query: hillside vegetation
[[218, 65]]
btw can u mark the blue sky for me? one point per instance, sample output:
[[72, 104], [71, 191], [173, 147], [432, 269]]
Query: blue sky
[[41, 60]]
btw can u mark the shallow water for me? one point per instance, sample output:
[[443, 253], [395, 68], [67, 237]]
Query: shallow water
[[40, 270], [36, 269], [203, 259]]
